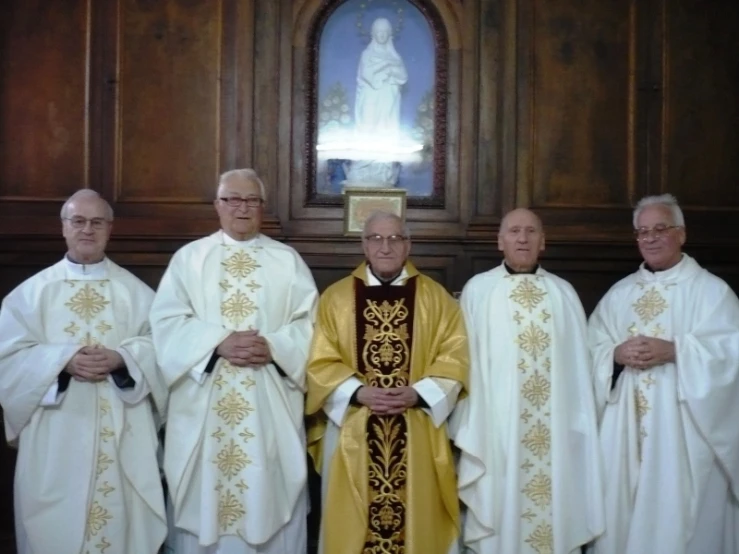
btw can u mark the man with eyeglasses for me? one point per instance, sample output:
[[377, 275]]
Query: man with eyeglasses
[[530, 466], [79, 386], [665, 343], [232, 322], [388, 361]]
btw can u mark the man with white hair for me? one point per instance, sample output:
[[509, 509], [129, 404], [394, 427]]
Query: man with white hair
[[79, 386], [232, 322], [388, 361], [665, 342]]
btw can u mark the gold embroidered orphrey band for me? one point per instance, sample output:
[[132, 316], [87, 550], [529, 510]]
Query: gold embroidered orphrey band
[[384, 329]]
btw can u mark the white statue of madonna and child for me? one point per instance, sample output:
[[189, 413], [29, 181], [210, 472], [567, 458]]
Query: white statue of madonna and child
[[380, 75]]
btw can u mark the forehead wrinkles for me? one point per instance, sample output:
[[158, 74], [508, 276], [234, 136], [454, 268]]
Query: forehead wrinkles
[[239, 188], [387, 227], [86, 208], [654, 215]]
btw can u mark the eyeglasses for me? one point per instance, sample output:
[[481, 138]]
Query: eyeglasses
[[393, 240], [97, 223], [236, 201], [658, 231]]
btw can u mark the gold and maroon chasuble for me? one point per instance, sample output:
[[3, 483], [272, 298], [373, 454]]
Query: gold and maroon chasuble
[[391, 485]]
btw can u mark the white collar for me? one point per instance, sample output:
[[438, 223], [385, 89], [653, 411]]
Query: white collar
[[229, 240], [97, 270], [373, 281]]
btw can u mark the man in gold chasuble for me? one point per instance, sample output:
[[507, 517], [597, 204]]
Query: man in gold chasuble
[[388, 361]]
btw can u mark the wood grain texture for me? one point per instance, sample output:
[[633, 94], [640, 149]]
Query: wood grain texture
[[169, 100], [701, 110], [44, 57], [580, 125]]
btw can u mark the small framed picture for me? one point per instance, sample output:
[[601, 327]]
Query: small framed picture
[[360, 203]]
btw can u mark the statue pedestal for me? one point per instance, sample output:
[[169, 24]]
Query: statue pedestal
[[372, 174]]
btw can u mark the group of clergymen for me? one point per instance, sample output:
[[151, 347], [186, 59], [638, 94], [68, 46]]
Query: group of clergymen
[[501, 424]]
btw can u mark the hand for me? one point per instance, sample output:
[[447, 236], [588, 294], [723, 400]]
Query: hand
[[245, 348], [387, 401], [400, 399], [373, 398], [93, 364], [642, 352], [658, 352]]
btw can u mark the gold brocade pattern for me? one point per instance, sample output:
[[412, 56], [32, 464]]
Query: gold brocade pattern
[[385, 357], [533, 343], [527, 295], [533, 340], [229, 433], [87, 302], [650, 305], [386, 342], [240, 264], [650, 308], [90, 319]]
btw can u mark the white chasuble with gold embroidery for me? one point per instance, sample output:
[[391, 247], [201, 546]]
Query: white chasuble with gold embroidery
[[87, 479], [669, 434], [529, 471], [235, 442]]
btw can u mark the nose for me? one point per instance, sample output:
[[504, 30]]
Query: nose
[[385, 247], [651, 236]]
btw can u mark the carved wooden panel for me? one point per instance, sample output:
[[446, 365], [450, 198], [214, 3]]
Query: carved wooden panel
[[168, 119], [43, 126], [577, 126], [700, 110]]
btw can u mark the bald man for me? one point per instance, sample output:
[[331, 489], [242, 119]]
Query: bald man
[[529, 472]]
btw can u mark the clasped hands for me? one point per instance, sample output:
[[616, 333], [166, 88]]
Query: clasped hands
[[245, 348], [391, 401], [92, 364], [642, 352]]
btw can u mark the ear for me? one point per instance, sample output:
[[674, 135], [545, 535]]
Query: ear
[[500, 243], [543, 242]]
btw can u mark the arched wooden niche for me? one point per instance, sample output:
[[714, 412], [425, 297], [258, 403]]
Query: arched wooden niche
[[376, 86]]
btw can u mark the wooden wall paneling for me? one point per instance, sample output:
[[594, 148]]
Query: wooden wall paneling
[[237, 79], [578, 110], [649, 98], [169, 101], [43, 100], [581, 113], [484, 24], [700, 115], [266, 111]]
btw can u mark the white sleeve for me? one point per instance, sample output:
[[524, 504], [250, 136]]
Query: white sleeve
[[135, 394], [337, 403], [198, 374], [440, 394], [52, 397]]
